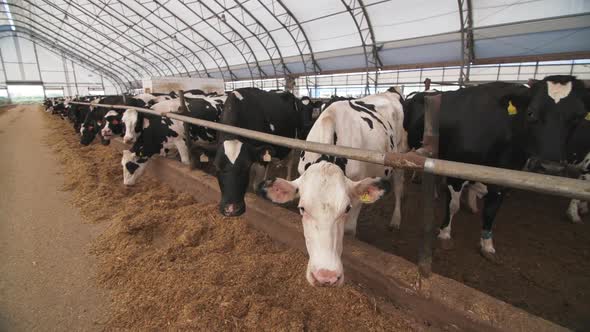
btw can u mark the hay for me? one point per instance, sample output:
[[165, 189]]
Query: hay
[[174, 263]]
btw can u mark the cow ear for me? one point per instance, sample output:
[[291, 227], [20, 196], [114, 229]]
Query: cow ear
[[278, 190], [264, 154], [369, 190]]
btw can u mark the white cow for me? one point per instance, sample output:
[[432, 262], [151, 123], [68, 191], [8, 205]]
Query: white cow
[[332, 190]]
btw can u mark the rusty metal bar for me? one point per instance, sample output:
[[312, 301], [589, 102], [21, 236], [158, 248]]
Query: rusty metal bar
[[547, 184], [431, 141]]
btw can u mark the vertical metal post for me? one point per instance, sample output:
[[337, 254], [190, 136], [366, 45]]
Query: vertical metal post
[[187, 127], [75, 79], [432, 109], [427, 82]]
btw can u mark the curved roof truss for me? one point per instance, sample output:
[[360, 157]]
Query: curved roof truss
[[268, 39]]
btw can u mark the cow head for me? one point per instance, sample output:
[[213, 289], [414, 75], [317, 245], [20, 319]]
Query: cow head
[[133, 167], [233, 161], [113, 125], [133, 124], [88, 131], [556, 107], [327, 201]]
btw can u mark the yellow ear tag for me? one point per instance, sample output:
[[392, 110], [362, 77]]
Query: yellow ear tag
[[587, 116], [511, 108], [365, 198]]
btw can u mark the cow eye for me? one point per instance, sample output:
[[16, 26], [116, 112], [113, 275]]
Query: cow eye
[[347, 209], [301, 210]]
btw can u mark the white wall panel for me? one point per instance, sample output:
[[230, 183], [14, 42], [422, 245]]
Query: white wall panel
[[23, 66]]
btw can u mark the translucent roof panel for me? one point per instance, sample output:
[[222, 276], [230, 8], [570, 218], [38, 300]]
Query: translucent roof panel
[[494, 12], [252, 39], [395, 20]]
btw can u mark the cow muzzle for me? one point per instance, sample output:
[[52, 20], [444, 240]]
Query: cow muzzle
[[325, 278], [233, 209]]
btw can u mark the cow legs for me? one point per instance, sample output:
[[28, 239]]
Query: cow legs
[[453, 204], [577, 207], [398, 190], [183, 151], [475, 191], [573, 211], [492, 202]]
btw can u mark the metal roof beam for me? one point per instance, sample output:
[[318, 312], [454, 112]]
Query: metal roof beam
[[283, 70], [139, 65], [51, 46], [87, 53], [57, 35], [235, 43], [358, 12], [215, 54], [122, 35], [467, 53], [198, 71]]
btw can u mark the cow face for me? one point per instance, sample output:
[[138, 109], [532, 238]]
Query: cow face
[[233, 161], [133, 167], [113, 125], [556, 107], [328, 200], [88, 131], [132, 125]]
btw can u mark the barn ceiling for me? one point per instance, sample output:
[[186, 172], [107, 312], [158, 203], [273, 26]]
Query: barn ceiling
[[250, 39]]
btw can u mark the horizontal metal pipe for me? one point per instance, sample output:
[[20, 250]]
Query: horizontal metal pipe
[[547, 184]]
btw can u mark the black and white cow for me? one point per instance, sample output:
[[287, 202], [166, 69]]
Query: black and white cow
[[500, 125], [332, 190], [96, 122], [254, 109], [158, 135]]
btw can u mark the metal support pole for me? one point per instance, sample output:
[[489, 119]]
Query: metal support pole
[[432, 108], [187, 129], [542, 183]]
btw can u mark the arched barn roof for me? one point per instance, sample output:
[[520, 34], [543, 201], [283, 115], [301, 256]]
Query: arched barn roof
[[249, 39]]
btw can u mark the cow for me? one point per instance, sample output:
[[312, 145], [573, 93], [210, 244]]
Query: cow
[[500, 125], [259, 110], [159, 134], [96, 123], [332, 190]]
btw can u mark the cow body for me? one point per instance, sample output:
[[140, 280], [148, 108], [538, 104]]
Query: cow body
[[499, 125], [333, 189], [254, 109], [158, 135]]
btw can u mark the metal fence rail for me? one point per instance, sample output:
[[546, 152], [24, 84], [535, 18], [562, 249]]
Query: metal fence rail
[[547, 184]]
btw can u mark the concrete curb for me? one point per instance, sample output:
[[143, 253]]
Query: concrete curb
[[440, 300]]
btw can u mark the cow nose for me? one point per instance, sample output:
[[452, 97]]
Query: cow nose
[[233, 209], [326, 277]]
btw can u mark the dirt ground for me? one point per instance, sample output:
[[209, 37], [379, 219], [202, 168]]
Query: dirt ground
[[544, 261], [46, 272], [173, 263]]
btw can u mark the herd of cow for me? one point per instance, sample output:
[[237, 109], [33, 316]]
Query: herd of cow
[[543, 126]]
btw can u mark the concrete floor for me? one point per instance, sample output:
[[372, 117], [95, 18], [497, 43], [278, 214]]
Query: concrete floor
[[46, 274]]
